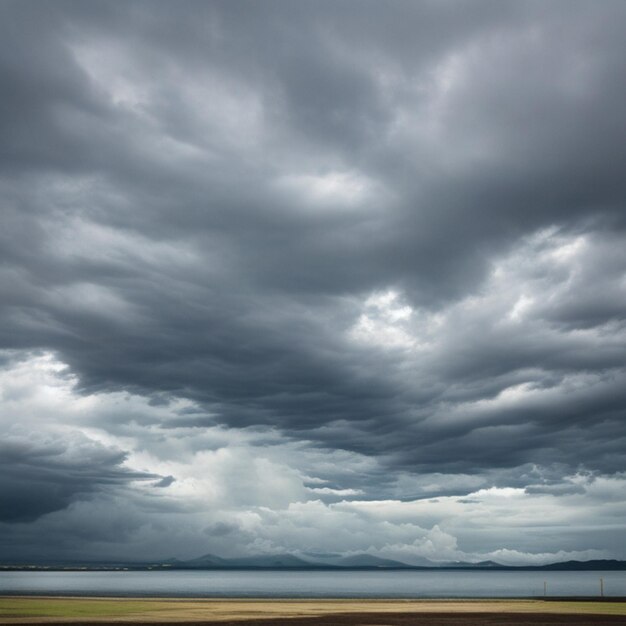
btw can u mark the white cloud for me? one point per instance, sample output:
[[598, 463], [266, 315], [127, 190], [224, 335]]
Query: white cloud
[[330, 190], [384, 322]]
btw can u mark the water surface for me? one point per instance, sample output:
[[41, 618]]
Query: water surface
[[315, 584]]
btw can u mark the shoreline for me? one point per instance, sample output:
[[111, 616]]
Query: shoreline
[[303, 599]]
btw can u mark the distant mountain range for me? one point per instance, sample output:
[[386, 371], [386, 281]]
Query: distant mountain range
[[368, 561], [307, 562], [282, 561]]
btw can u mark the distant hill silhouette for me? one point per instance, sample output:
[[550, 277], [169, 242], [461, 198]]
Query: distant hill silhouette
[[311, 562], [368, 561]]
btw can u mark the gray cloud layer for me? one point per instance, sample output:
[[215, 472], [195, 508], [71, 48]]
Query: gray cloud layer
[[389, 232]]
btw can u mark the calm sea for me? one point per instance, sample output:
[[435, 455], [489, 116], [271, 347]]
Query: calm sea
[[315, 584]]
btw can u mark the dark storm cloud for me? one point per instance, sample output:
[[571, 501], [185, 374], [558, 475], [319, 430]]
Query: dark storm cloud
[[198, 201], [42, 474]]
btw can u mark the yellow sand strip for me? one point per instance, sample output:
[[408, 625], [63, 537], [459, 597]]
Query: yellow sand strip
[[25, 610]]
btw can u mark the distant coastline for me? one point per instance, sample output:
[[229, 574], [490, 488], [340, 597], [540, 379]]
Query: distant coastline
[[289, 562]]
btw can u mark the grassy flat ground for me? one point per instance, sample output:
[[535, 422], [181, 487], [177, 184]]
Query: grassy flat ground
[[29, 610]]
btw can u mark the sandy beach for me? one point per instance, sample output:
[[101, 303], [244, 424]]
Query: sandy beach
[[56, 610]]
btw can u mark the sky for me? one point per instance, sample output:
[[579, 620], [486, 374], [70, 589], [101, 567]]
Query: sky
[[313, 277]]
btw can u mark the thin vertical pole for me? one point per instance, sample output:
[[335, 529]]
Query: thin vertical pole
[[545, 588], [602, 587]]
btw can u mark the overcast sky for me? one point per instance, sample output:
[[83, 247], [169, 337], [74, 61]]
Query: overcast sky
[[313, 277]]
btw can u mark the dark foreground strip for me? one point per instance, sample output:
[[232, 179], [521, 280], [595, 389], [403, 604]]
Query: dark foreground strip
[[397, 619]]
